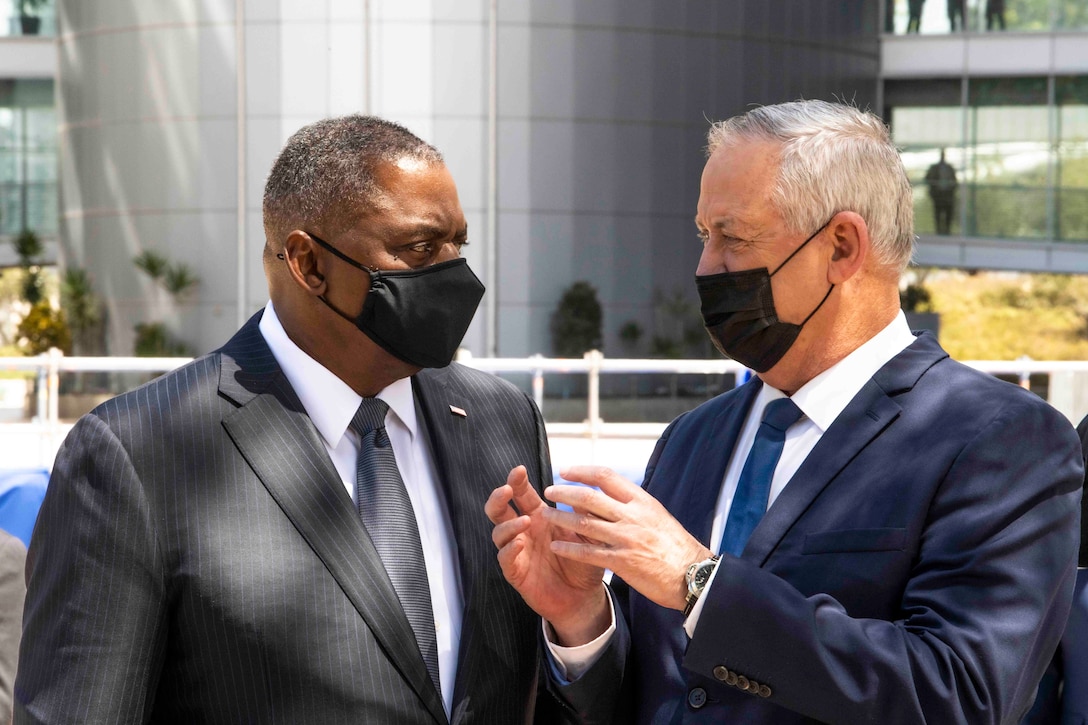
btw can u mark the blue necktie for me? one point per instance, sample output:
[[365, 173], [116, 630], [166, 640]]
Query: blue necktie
[[387, 514], [754, 487]]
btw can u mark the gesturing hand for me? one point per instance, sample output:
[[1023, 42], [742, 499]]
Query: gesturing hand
[[625, 529], [567, 593]]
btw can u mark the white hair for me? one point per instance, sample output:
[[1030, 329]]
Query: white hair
[[832, 157]]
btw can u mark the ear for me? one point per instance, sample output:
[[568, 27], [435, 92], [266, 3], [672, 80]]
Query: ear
[[850, 246], [304, 260]]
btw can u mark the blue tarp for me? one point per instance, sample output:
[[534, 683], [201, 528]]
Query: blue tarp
[[21, 494], [632, 474]]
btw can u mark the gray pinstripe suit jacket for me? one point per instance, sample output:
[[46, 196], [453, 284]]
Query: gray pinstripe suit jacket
[[197, 560]]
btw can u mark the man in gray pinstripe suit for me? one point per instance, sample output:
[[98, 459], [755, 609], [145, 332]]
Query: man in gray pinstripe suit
[[198, 557]]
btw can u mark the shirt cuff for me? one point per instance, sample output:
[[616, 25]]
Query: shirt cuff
[[570, 663], [693, 619]]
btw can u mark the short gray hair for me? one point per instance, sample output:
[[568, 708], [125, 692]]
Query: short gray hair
[[833, 157], [324, 176]]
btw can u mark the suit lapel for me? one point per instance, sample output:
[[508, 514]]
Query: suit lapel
[[707, 465], [275, 435], [452, 439], [492, 609], [867, 414], [870, 412]]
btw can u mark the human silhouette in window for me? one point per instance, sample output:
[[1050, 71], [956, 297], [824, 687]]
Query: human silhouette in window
[[955, 15], [941, 180], [915, 19], [995, 14]]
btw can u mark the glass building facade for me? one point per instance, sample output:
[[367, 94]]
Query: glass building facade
[[28, 18], [28, 157], [1018, 148], [930, 17]]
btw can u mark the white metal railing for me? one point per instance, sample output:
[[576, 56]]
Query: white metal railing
[[47, 426], [37, 441], [593, 364]]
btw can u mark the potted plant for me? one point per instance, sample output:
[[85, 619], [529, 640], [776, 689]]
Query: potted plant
[[29, 15], [28, 247]]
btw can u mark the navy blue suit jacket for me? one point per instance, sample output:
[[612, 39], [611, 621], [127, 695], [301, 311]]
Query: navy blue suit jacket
[[917, 568]]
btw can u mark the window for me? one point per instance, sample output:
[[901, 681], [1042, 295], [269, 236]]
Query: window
[[28, 157]]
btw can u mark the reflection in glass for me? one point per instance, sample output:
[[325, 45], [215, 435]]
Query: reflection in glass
[[1073, 14], [1071, 172], [1008, 158], [1020, 163], [923, 134], [39, 19], [928, 17], [28, 157], [1033, 15]]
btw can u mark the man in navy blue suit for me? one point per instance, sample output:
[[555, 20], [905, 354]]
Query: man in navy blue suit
[[868, 531]]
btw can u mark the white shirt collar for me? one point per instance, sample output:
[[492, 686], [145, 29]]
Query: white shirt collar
[[328, 400], [826, 395]]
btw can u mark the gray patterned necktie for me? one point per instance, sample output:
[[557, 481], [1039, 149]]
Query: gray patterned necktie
[[387, 514]]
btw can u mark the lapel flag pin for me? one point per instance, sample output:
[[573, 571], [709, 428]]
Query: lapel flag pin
[[458, 411]]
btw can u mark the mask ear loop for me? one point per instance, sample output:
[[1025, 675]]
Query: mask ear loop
[[358, 265], [321, 242], [829, 290], [347, 259], [802, 246]]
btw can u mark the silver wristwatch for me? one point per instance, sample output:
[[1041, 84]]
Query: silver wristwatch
[[697, 576]]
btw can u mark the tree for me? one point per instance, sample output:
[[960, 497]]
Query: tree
[[83, 310], [630, 334], [576, 322], [44, 328], [678, 328], [28, 248], [915, 298], [29, 8], [1005, 316]]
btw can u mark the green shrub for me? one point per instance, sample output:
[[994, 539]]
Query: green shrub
[[576, 322], [44, 328], [154, 340]]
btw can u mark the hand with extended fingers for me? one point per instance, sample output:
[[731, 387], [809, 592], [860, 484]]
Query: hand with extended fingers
[[624, 529], [567, 593]]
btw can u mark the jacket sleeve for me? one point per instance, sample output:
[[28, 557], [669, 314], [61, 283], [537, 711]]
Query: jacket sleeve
[[12, 592], [982, 610], [599, 696], [1082, 431], [94, 637]]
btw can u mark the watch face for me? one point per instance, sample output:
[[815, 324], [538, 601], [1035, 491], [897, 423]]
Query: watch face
[[698, 575]]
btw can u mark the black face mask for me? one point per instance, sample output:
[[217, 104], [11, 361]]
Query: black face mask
[[418, 315], [739, 314]]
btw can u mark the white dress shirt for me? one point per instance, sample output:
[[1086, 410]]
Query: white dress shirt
[[331, 405], [821, 400]]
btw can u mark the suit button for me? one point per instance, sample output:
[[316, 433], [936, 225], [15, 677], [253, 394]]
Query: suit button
[[721, 673], [764, 691], [742, 682], [753, 687], [697, 697], [730, 678]]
